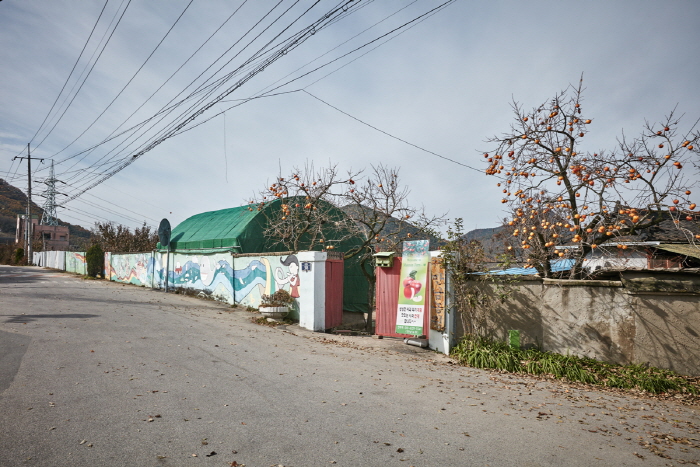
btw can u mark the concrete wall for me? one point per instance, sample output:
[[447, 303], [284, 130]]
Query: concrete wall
[[50, 259], [75, 262], [240, 279], [615, 321]]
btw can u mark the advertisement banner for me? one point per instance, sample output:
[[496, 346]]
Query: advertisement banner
[[414, 275]]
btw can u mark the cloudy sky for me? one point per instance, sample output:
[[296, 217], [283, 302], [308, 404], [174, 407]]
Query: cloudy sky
[[84, 91]]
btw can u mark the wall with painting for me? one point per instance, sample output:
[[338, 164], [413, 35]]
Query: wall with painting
[[301, 274], [210, 273], [129, 268], [233, 279], [75, 262]]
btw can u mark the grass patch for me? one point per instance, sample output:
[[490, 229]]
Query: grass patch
[[481, 352]]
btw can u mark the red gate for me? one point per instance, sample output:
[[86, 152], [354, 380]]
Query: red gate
[[388, 282], [334, 292]]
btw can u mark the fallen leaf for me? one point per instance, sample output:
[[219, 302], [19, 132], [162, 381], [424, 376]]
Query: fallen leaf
[[213, 453]]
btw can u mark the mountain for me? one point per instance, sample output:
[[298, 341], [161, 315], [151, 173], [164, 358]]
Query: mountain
[[492, 239], [392, 226], [13, 201]]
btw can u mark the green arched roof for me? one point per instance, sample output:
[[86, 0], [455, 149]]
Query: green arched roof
[[238, 228]]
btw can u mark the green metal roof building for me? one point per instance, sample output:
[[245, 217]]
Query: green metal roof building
[[241, 230]]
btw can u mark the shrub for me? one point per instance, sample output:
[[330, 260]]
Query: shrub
[[95, 259], [19, 255], [279, 298]]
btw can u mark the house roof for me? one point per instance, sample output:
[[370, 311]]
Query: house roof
[[227, 228], [667, 231], [559, 265], [681, 249]]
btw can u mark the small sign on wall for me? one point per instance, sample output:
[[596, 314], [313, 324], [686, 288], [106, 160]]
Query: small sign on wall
[[437, 296], [306, 266]]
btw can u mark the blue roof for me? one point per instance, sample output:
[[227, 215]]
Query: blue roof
[[558, 265]]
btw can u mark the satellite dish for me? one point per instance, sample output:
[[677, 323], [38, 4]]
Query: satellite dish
[[164, 232]]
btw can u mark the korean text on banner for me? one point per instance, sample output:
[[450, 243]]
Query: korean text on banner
[[414, 275]]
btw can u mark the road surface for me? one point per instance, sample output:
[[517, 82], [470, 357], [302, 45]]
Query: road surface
[[94, 373]]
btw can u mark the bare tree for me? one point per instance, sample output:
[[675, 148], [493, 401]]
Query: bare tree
[[118, 238], [560, 193], [320, 209]]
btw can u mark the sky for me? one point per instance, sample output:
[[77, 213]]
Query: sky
[[444, 82]]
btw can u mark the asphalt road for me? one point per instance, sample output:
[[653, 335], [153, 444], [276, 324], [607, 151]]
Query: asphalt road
[[102, 374]]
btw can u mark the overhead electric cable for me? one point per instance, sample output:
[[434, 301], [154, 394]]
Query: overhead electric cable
[[86, 77], [220, 80], [122, 207], [109, 137], [431, 12], [130, 80], [104, 209], [292, 43], [185, 120], [389, 134], [167, 106], [71, 71]]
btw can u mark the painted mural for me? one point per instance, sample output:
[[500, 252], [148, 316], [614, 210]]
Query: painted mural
[[75, 262], [213, 273], [210, 273], [264, 276], [130, 268]]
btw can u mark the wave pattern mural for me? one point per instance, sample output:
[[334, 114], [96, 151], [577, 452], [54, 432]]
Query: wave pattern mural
[[222, 276]]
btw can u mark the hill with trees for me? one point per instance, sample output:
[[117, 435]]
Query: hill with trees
[[13, 201]]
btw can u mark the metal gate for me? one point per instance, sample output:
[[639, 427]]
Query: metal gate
[[388, 282], [334, 292]]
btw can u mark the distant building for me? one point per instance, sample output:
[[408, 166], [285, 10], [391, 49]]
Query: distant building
[[52, 237]]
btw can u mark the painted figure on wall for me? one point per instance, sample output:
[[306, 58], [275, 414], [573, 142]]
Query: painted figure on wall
[[292, 277]]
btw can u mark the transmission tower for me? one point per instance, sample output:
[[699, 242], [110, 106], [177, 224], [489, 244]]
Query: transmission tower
[[49, 216]]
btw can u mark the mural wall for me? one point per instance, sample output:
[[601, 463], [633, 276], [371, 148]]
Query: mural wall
[[75, 262], [226, 278], [130, 268], [210, 273], [255, 276], [232, 279]]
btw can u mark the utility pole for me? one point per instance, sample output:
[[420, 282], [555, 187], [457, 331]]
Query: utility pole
[[28, 222]]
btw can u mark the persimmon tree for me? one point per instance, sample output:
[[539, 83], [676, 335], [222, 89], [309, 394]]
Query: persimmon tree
[[558, 192], [319, 209], [306, 215]]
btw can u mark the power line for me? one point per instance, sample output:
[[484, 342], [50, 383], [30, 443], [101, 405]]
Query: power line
[[71, 72], [122, 207], [293, 42], [111, 211], [130, 80], [417, 19], [389, 134], [86, 77], [194, 93], [165, 107], [109, 137]]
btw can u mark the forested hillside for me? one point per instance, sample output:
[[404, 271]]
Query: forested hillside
[[13, 201]]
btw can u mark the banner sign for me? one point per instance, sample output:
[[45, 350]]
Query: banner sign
[[414, 275]]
